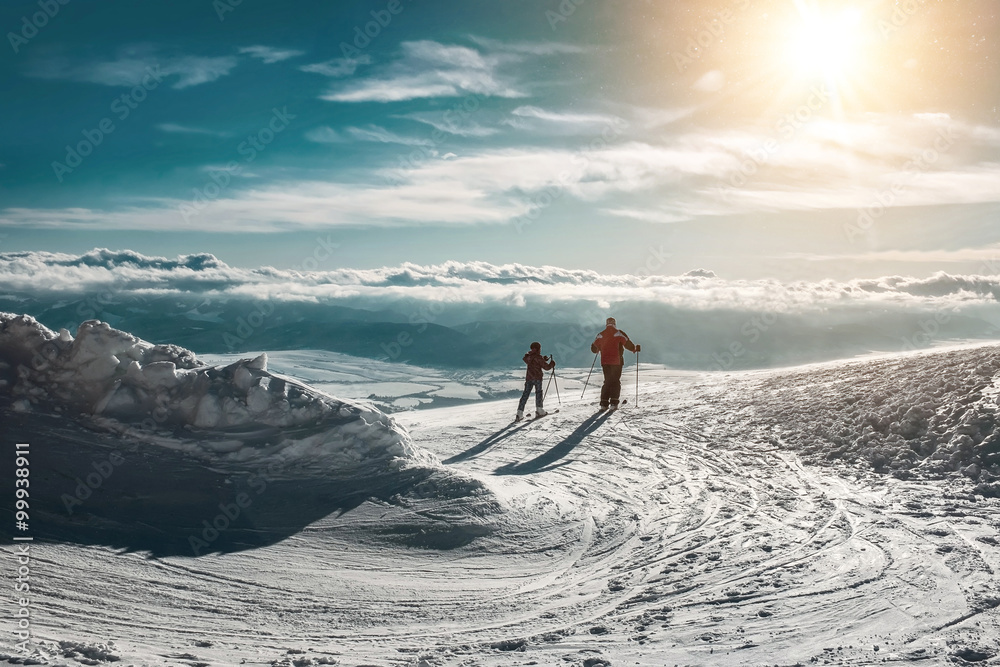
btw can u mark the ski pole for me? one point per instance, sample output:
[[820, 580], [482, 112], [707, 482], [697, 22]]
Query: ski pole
[[546, 392], [588, 376], [637, 348], [558, 397]]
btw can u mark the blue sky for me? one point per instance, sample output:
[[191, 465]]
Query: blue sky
[[755, 138]]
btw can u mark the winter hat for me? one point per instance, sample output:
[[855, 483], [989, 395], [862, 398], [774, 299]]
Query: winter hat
[[611, 320], [536, 346]]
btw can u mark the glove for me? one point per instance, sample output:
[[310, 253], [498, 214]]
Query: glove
[[638, 348]]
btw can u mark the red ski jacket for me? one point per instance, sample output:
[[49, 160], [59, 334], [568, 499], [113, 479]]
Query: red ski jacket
[[611, 343], [536, 364]]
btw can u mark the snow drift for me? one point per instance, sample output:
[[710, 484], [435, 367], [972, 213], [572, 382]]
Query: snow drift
[[228, 416], [924, 415], [146, 446]]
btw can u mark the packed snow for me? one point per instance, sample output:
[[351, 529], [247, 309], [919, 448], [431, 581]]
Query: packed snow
[[839, 513]]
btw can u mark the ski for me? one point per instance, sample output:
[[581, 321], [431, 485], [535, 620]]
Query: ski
[[550, 412]]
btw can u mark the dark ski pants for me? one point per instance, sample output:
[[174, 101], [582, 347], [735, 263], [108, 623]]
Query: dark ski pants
[[612, 387], [528, 386]]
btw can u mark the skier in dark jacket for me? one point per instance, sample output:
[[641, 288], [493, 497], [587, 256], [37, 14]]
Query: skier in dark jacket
[[533, 380], [612, 343]]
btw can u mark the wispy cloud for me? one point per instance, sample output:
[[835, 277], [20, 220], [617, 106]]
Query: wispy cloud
[[651, 118], [337, 68], [295, 205], [686, 177], [452, 124], [325, 135], [373, 133], [657, 216], [922, 160], [527, 48], [269, 54], [429, 69], [193, 71], [489, 187], [562, 117], [175, 128], [134, 66], [525, 117], [224, 168], [988, 258], [975, 185]]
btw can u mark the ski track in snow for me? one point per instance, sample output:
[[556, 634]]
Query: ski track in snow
[[647, 539]]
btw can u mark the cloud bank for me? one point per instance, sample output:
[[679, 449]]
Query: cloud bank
[[481, 283], [476, 313]]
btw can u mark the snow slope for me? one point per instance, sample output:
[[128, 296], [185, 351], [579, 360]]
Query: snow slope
[[706, 526]]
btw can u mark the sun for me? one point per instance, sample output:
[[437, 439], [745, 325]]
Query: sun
[[825, 45]]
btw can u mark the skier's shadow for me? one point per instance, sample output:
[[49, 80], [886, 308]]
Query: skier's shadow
[[550, 459], [488, 442]]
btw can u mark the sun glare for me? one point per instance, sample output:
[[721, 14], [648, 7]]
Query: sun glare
[[825, 45]]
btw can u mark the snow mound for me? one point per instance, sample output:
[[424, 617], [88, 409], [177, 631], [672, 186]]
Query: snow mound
[[922, 415], [232, 417]]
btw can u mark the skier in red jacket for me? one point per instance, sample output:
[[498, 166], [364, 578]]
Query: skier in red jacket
[[533, 380], [612, 343]]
